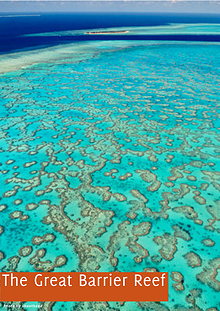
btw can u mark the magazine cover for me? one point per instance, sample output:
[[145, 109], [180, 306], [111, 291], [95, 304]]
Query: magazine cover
[[109, 155]]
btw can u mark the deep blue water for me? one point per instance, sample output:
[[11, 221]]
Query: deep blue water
[[12, 29]]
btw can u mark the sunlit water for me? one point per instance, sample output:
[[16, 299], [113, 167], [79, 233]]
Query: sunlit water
[[110, 161]]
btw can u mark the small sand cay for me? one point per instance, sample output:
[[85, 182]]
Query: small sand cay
[[105, 32]]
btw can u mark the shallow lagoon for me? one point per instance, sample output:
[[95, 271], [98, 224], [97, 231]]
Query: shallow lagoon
[[109, 161]]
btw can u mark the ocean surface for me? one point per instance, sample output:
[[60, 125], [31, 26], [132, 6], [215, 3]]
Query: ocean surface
[[14, 27], [109, 151]]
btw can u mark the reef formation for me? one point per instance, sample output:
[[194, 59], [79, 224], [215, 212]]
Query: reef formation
[[111, 163]]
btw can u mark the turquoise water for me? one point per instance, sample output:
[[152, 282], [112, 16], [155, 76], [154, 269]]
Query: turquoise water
[[93, 145], [171, 28]]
